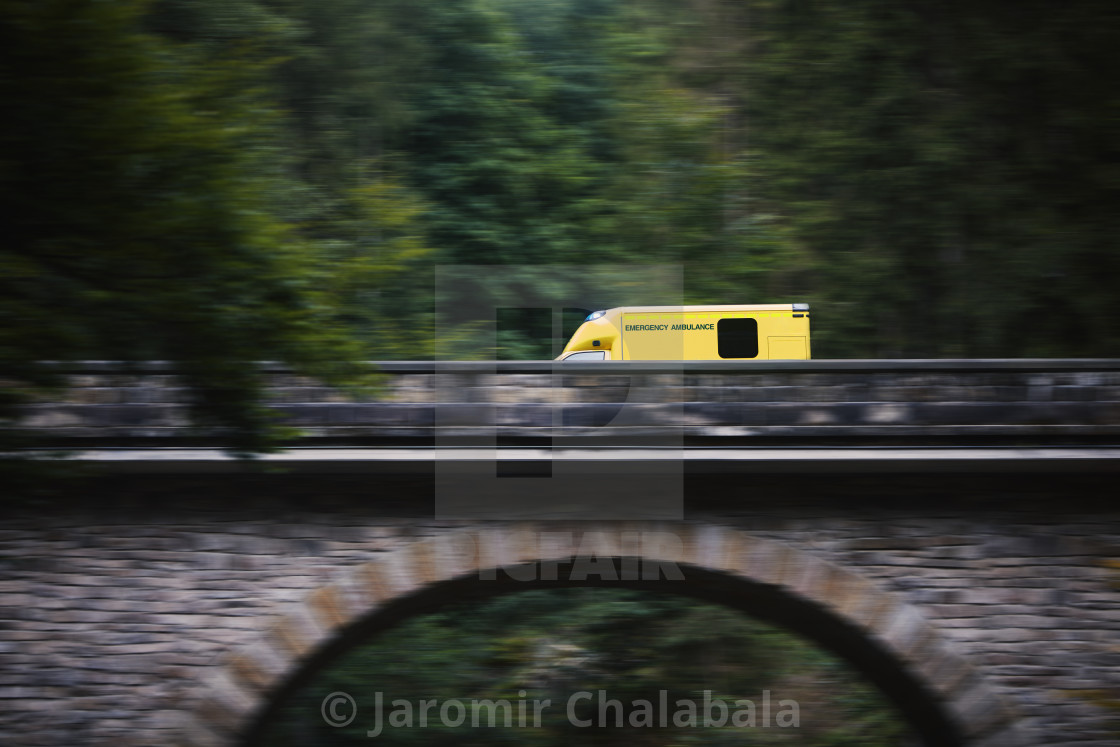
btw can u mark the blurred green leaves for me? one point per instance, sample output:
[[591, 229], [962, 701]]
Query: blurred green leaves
[[222, 181], [554, 644], [146, 182], [945, 167]]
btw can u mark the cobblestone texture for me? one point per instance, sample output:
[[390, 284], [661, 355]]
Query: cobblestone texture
[[109, 622], [113, 407], [110, 616]]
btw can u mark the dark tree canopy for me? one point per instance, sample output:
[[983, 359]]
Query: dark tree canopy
[[218, 182]]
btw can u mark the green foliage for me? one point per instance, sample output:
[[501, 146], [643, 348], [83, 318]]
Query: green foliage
[[339, 77], [553, 644], [503, 172], [218, 181], [945, 168], [146, 182]]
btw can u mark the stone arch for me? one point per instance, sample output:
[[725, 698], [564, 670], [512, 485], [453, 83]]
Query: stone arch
[[888, 638]]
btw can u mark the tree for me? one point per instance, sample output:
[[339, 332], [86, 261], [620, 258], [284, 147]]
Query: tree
[[942, 167], [553, 644], [141, 182]]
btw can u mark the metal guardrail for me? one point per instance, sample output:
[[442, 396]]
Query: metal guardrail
[[820, 365], [693, 460], [872, 415]]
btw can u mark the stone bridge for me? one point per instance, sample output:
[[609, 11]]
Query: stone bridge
[[947, 527]]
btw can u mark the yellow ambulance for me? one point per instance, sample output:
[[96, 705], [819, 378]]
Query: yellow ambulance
[[693, 333]]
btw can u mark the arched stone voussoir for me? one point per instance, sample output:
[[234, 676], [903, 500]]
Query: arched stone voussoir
[[505, 546], [258, 665], [982, 712], [223, 706], [1012, 735], [450, 555], [979, 710], [761, 560], [712, 546], [191, 731], [724, 564]]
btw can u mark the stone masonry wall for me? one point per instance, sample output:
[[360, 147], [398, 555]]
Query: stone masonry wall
[[111, 614], [806, 399]]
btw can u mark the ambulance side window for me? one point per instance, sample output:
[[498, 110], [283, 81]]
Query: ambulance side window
[[737, 338], [590, 355]]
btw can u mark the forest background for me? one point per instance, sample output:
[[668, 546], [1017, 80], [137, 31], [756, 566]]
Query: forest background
[[221, 181], [215, 181]]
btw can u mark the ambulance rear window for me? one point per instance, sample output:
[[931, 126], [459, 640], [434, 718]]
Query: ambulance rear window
[[738, 338]]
